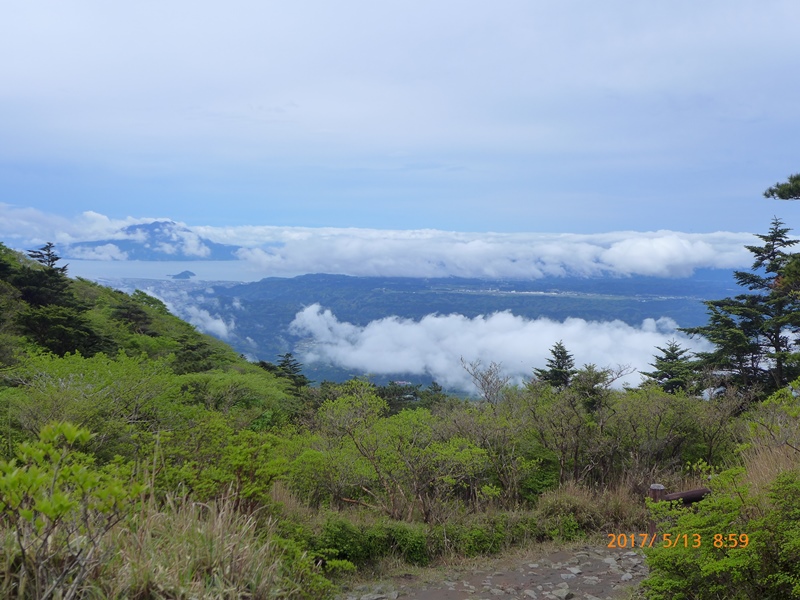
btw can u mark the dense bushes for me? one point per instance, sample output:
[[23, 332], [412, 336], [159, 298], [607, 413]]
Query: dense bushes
[[759, 500], [70, 528], [740, 545]]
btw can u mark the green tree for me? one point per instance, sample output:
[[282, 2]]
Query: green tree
[[117, 398], [42, 287], [61, 329], [194, 355], [788, 190], [399, 395], [47, 256], [560, 367], [433, 395], [288, 367], [7, 262], [674, 370], [754, 333]]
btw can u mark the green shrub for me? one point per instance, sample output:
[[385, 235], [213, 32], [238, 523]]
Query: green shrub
[[718, 564], [542, 479], [481, 540], [569, 512], [377, 541], [57, 508], [342, 539], [411, 541]]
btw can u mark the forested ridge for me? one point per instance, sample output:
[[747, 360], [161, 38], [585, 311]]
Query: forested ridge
[[142, 459]]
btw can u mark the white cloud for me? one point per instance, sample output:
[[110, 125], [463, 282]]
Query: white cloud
[[104, 252], [289, 251], [31, 226], [166, 248], [432, 253], [193, 246], [208, 323], [435, 344], [179, 303]]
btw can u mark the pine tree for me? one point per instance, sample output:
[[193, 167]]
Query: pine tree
[[292, 369], [560, 367], [47, 256], [753, 333], [789, 190], [289, 368], [674, 370]]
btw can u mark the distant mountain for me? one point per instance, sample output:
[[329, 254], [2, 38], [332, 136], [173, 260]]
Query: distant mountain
[[255, 317], [156, 241]]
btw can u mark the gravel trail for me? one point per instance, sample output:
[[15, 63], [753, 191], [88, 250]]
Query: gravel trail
[[582, 573]]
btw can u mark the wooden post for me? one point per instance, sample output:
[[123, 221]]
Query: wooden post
[[656, 495]]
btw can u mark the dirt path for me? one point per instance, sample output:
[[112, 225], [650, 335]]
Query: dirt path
[[586, 572]]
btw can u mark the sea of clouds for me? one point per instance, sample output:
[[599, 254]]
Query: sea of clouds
[[266, 251], [435, 345], [434, 253]]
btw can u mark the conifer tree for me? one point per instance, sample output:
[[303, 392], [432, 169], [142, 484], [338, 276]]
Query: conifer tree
[[560, 367], [788, 190], [292, 369], [754, 333], [674, 370], [47, 256]]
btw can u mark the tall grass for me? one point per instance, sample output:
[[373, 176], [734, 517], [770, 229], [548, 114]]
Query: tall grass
[[183, 549], [188, 549]]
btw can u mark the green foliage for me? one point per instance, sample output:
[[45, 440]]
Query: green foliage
[[60, 506], [154, 303], [343, 540], [779, 544], [194, 354], [544, 477], [119, 399], [399, 396], [204, 456], [788, 190], [483, 538], [674, 370], [753, 333], [251, 398], [560, 367], [433, 396], [42, 286], [410, 540], [62, 329], [719, 563]]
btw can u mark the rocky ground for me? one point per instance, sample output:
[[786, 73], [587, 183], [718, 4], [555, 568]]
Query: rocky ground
[[582, 573]]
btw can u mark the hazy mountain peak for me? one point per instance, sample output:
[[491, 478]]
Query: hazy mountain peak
[[156, 240]]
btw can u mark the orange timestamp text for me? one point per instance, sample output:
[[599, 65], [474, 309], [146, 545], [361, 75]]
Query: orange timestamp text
[[676, 540]]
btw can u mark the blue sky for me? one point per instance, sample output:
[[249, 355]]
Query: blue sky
[[519, 116]]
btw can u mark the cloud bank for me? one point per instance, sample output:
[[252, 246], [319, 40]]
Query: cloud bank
[[433, 253], [179, 303], [32, 226], [268, 251], [434, 345]]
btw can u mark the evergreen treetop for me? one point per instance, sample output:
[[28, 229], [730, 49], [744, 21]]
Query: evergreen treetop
[[560, 367]]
